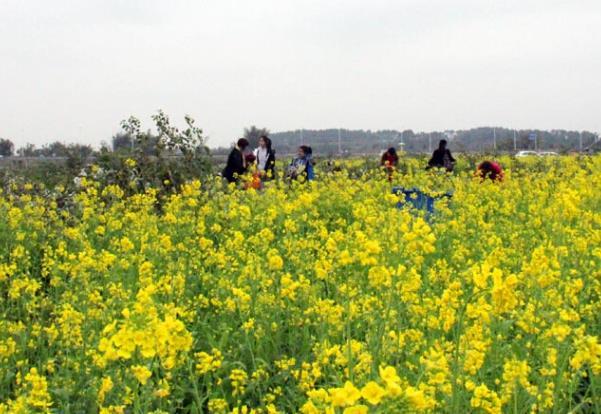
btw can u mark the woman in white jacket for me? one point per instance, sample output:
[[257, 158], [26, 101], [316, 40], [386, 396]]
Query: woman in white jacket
[[265, 156]]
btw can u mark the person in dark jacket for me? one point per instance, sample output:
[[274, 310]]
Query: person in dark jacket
[[236, 164], [265, 158], [442, 158]]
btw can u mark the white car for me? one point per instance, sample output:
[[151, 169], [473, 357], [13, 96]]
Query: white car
[[548, 154], [526, 154]]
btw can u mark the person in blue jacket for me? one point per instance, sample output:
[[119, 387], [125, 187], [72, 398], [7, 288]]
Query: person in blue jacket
[[302, 165]]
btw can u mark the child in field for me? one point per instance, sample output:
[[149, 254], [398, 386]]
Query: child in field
[[254, 178], [389, 161]]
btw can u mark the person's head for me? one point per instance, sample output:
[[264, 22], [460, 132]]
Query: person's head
[[250, 158], [485, 166], [242, 144], [304, 151], [392, 151], [486, 169], [265, 142], [442, 144]]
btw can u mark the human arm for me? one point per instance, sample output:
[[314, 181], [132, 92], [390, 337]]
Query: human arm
[[270, 164], [433, 161], [310, 171], [238, 165]]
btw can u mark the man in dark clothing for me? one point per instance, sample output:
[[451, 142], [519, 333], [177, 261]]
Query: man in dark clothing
[[236, 164], [441, 157]]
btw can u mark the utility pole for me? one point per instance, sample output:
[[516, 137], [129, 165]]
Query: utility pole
[[494, 138], [580, 141], [430, 142], [515, 146], [402, 142], [339, 142]]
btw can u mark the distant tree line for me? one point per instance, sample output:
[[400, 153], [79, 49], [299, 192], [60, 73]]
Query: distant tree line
[[332, 142], [56, 149], [484, 139]]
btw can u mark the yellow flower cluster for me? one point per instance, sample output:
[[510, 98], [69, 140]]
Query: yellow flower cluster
[[32, 396]]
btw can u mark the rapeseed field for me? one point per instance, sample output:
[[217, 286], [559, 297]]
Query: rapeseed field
[[317, 297]]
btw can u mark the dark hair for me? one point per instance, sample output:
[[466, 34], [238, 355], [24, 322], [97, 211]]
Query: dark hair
[[242, 143], [442, 144], [485, 166], [392, 151], [267, 142], [487, 169], [306, 149]]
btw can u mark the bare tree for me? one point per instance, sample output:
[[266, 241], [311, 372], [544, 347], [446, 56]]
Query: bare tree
[[253, 134]]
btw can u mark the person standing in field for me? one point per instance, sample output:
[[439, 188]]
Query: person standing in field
[[442, 158], [265, 156], [491, 170], [302, 164], [236, 163], [389, 161]]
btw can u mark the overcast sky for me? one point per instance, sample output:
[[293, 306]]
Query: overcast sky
[[71, 70]]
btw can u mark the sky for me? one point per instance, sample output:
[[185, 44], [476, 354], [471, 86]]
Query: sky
[[71, 70]]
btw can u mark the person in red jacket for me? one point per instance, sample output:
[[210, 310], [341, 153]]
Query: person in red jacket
[[490, 169]]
